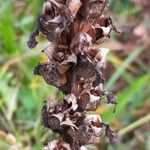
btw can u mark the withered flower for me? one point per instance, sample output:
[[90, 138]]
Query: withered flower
[[75, 29], [60, 145]]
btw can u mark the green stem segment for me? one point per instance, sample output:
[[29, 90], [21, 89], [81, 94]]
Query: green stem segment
[[134, 125]]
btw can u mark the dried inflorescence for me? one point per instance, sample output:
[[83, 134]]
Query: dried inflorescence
[[75, 63], [75, 127], [60, 145]]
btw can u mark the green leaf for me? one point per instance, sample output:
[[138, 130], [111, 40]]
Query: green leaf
[[6, 25], [122, 68], [12, 103]]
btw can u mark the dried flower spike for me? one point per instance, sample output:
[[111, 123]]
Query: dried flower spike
[[75, 29]]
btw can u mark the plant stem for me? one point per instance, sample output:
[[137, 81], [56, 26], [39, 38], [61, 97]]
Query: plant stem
[[134, 125]]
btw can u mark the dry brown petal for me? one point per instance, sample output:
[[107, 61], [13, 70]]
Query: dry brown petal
[[88, 130], [57, 52], [68, 123], [110, 134], [57, 145], [51, 116], [92, 106], [67, 63], [53, 28], [72, 101], [50, 73], [85, 75], [80, 135], [32, 39], [89, 29], [64, 11], [54, 20], [47, 8], [106, 31], [74, 6], [103, 27], [102, 56], [95, 122], [99, 56], [111, 99], [77, 118], [98, 30], [59, 116], [81, 42], [88, 102], [84, 135], [93, 54], [51, 104], [93, 8], [76, 27], [102, 34], [102, 21], [54, 124], [83, 101]]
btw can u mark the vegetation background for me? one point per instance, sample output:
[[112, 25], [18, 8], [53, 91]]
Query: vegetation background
[[128, 75]]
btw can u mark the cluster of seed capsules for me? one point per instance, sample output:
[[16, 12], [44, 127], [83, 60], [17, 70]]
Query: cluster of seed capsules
[[75, 29]]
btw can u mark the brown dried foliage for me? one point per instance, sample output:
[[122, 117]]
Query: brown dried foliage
[[75, 67]]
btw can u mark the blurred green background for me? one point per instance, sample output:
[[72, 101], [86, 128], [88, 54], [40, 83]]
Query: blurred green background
[[128, 75]]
